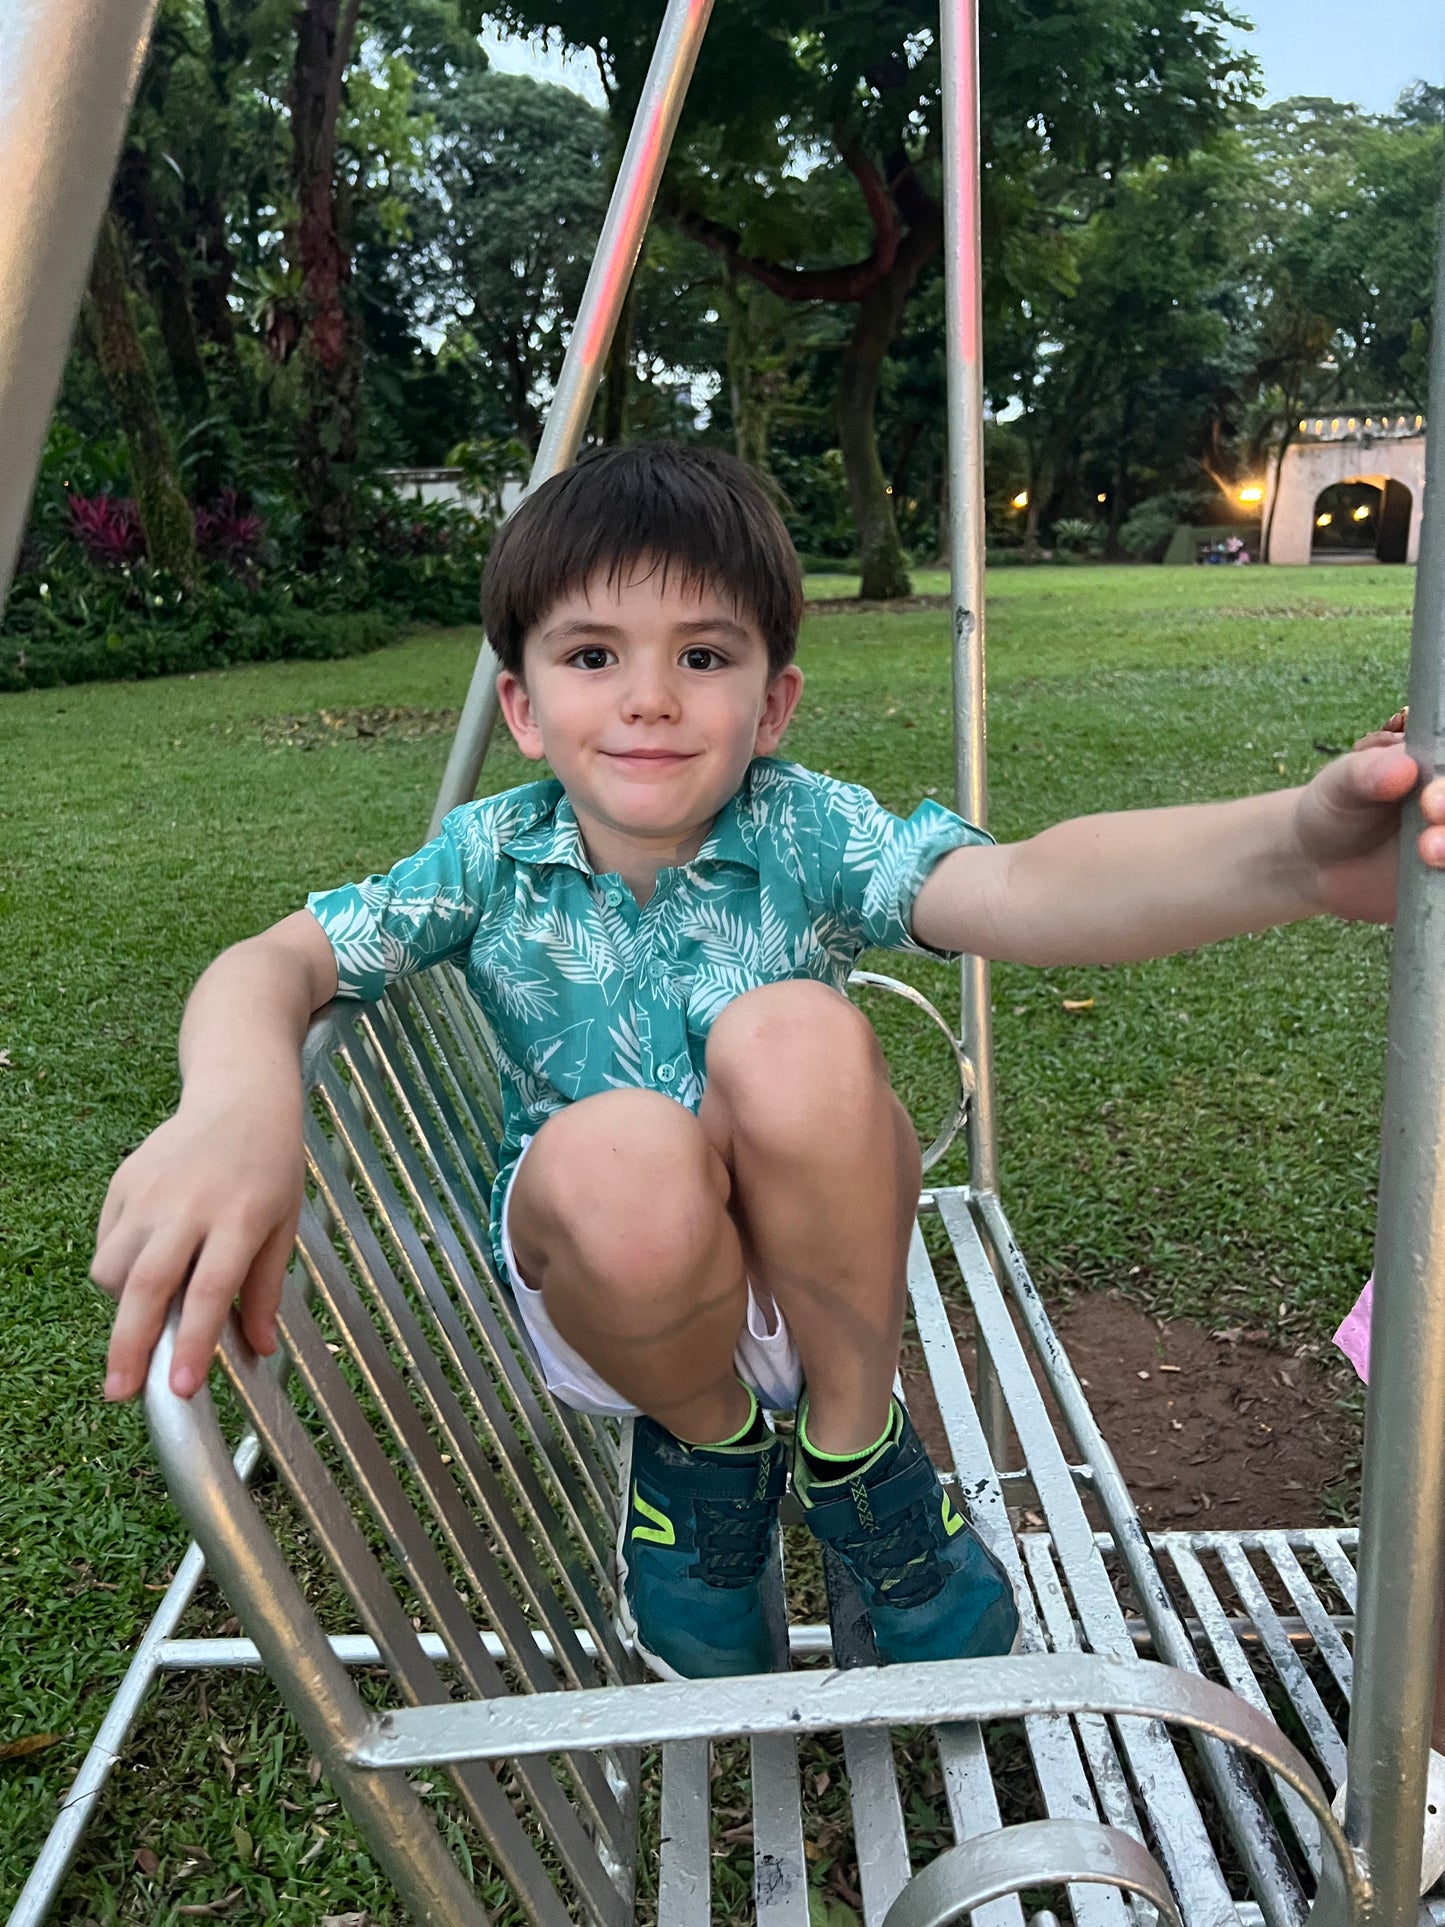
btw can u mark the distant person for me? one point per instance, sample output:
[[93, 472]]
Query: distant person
[[706, 1187]]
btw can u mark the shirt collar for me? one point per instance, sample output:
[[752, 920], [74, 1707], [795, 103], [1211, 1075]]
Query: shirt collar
[[550, 834]]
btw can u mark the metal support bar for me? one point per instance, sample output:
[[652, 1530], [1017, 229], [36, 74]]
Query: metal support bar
[[68, 70], [963, 274], [151, 1657], [620, 243], [1403, 1502], [1041, 1853], [248, 1567]]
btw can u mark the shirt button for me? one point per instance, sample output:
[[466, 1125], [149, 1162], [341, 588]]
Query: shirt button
[[613, 899], [665, 1073]]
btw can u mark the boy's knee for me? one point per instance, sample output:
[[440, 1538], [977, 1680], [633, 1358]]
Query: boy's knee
[[788, 1051], [624, 1186]]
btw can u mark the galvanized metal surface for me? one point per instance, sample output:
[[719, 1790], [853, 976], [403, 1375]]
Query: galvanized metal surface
[[963, 312], [1039, 1853], [437, 1497], [618, 247], [1403, 1501], [68, 70]]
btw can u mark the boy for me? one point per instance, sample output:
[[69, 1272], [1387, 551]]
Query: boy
[[706, 1186]]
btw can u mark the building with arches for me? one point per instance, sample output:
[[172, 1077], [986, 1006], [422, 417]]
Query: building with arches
[[1351, 488]]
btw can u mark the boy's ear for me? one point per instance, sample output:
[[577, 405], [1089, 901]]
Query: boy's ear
[[521, 718], [778, 706]]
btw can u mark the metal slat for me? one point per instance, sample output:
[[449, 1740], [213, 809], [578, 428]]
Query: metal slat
[[424, 1261], [1330, 1646], [329, 1518], [1110, 1782], [1062, 1779], [1323, 1735], [1234, 1664], [684, 1869], [1251, 1829], [1173, 1812], [780, 1869], [884, 1867], [426, 1377], [443, 1605]]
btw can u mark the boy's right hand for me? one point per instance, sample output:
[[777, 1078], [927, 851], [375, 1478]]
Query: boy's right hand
[[209, 1201]]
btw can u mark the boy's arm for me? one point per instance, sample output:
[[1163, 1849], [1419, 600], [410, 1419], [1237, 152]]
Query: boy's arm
[[210, 1200], [1144, 883]]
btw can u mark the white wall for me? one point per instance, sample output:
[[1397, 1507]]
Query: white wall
[[1310, 467]]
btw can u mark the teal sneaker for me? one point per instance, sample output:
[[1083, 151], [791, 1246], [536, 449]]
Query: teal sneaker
[[933, 1590], [698, 1529]]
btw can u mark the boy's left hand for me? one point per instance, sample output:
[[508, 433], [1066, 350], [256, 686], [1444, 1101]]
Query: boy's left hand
[[1348, 824]]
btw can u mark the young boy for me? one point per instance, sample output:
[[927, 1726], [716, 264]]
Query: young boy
[[706, 1186]]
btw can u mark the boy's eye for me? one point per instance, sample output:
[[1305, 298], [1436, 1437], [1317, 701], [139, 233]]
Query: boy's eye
[[595, 657], [701, 658]]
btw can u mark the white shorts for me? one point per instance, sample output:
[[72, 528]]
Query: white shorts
[[766, 1357]]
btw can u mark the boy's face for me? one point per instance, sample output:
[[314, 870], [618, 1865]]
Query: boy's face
[[649, 702]]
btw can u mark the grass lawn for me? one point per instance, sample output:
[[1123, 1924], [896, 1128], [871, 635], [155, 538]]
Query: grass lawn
[[1204, 1134]]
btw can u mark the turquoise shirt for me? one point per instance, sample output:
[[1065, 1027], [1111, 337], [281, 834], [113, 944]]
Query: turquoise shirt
[[584, 990]]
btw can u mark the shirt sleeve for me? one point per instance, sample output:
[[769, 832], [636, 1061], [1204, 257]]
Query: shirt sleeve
[[875, 863], [422, 912]]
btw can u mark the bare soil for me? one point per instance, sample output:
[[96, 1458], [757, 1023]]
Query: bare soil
[[1213, 1430]]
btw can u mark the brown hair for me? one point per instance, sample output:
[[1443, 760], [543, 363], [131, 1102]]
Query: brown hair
[[698, 514]]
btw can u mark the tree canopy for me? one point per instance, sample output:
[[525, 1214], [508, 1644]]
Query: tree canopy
[[339, 242]]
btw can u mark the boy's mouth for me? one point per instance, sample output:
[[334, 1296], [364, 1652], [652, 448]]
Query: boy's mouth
[[648, 758]]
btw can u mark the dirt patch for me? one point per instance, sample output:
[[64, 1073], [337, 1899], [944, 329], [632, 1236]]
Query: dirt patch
[[851, 605], [1213, 1431], [376, 725]]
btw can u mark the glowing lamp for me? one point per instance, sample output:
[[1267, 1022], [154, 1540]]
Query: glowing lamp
[[1361, 514], [1323, 521], [1021, 500], [1252, 493]]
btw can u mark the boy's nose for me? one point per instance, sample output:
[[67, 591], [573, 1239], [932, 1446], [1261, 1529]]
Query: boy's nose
[[649, 697]]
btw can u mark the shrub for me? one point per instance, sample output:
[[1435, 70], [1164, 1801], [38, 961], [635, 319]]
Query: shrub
[[108, 529]]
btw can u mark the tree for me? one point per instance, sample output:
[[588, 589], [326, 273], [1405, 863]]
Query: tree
[[109, 323], [503, 223], [1083, 86]]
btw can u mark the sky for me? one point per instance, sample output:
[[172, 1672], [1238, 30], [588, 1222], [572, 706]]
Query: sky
[[1366, 51], [1360, 50]]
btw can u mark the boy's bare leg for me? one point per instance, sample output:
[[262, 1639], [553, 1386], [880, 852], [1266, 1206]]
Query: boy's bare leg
[[826, 1172], [619, 1217]]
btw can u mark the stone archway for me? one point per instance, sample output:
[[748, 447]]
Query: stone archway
[[1387, 451]]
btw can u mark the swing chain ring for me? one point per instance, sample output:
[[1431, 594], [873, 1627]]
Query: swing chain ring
[[963, 1063]]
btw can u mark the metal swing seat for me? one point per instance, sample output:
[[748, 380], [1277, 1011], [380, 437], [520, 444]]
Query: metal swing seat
[[1160, 1747]]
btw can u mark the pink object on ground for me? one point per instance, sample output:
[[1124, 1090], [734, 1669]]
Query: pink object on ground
[[1353, 1336]]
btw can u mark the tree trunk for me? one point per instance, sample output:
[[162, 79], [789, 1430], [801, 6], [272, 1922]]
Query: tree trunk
[[750, 402], [617, 374], [1031, 525], [330, 433], [943, 548], [884, 565], [165, 515]]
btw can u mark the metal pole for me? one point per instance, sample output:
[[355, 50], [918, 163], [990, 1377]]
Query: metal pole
[[68, 70], [1402, 1547], [958, 46], [63, 1840], [628, 212]]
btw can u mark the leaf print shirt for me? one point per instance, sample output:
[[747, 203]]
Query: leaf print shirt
[[586, 992]]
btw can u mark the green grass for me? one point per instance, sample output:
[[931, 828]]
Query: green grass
[[1205, 1135]]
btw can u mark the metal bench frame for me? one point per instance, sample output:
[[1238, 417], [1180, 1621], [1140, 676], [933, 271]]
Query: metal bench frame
[[467, 1517]]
